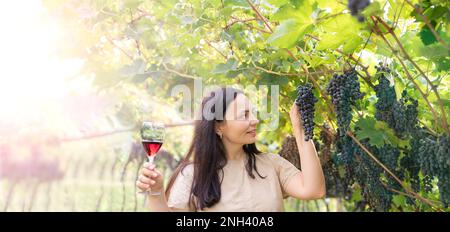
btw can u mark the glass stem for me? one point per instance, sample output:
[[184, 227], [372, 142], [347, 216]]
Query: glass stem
[[151, 159]]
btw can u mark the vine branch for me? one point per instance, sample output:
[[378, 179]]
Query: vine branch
[[260, 16], [178, 73]]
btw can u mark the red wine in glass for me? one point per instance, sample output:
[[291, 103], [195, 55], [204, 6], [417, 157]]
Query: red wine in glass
[[151, 147], [152, 135]]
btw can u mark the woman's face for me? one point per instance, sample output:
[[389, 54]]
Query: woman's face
[[240, 121]]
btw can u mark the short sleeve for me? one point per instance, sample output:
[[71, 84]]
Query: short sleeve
[[285, 170], [178, 199]]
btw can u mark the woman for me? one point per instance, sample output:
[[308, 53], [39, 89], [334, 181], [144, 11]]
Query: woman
[[228, 172]]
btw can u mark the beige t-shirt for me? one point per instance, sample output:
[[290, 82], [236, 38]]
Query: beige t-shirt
[[239, 191]]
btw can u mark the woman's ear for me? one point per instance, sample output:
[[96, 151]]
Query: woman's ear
[[219, 129]]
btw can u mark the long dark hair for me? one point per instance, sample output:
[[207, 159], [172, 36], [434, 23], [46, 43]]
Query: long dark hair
[[208, 152]]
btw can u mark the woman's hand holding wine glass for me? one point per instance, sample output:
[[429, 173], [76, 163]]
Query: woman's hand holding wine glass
[[150, 180]]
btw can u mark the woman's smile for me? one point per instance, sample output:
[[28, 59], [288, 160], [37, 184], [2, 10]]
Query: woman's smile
[[252, 132]]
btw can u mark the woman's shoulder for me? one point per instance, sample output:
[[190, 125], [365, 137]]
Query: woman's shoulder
[[187, 170], [269, 157], [272, 158]]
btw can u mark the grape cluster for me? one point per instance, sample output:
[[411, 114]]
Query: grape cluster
[[411, 112], [410, 167], [337, 185], [400, 115], [356, 7], [386, 97], [389, 155], [434, 158], [367, 174], [344, 91], [306, 101], [443, 164]]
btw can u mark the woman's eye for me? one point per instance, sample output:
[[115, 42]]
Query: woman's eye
[[243, 116], [247, 115]]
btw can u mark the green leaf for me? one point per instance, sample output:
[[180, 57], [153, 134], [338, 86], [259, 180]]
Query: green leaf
[[433, 51], [373, 9], [286, 66], [137, 67], [288, 11], [297, 65], [287, 33], [356, 196], [233, 73], [226, 11], [241, 3], [187, 19], [133, 4], [300, 3], [351, 45], [278, 3], [377, 132], [231, 64], [435, 12], [332, 41], [399, 200], [272, 79], [443, 64], [342, 30], [427, 36]]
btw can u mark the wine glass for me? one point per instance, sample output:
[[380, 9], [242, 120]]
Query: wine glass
[[152, 135]]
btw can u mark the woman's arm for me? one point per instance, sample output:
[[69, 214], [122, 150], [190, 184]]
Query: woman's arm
[[152, 178], [310, 182], [158, 203]]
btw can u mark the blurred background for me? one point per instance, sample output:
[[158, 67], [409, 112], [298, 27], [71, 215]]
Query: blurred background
[[68, 142]]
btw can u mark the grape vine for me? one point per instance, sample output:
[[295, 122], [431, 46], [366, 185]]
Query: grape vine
[[425, 160]]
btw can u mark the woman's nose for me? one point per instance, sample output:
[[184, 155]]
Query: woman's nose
[[254, 120]]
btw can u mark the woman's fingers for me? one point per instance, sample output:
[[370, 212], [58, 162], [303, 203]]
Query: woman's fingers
[[149, 166], [145, 180], [157, 173], [149, 173], [150, 178], [142, 186], [149, 170]]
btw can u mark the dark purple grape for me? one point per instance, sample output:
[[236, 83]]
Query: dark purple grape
[[306, 101]]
